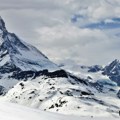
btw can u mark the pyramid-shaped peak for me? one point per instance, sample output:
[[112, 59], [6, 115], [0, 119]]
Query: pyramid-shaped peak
[[2, 24], [113, 67], [21, 54], [114, 63]]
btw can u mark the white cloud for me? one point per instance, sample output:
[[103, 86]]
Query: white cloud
[[46, 24], [83, 45]]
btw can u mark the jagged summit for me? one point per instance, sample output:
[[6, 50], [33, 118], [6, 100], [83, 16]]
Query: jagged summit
[[2, 24], [116, 61], [15, 52], [113, 71], [113, 66]]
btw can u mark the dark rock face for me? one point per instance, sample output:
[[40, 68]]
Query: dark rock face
[[113, 71], [79, 80], [86, 93], [8, 68], [24, 75], [113, 68], [95, 68], [115, 79], [118, 94], [2, 24], [2, 90]]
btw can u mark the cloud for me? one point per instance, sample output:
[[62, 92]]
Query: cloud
[[82, 45], [47, 25], [98, 13]]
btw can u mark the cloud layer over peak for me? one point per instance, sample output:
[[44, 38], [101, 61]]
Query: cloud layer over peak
[[85, 31]]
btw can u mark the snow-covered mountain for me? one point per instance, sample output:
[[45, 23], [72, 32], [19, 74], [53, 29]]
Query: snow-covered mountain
[[113, 71], [29, 78], [16, 53], [16, 57]]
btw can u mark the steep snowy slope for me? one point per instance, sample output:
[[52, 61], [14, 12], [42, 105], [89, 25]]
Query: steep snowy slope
[[16, 53]]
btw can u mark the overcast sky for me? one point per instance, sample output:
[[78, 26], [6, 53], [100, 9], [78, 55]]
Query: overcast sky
[[82, 31]]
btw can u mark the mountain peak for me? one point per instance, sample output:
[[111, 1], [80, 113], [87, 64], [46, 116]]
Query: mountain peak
[[2, 24], [116, 61], [113, 67], [21, 54], [114, 64]]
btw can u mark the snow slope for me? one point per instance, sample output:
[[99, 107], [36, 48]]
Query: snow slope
[[67, 96], [16, 112]]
